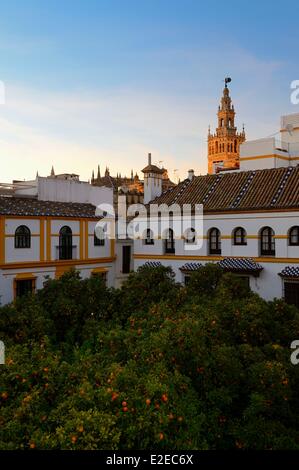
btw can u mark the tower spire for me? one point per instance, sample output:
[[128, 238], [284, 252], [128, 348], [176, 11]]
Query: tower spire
[[224, 144]]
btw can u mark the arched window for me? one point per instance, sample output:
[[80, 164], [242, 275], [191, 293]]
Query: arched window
[[221, 122], [214, 241], [190, 235], [22, 237], [65, 243], [235, 146], [240, 236], [169, 242], [99, 237], [148, 240], [267, 241], [294, 236], [216, 147]]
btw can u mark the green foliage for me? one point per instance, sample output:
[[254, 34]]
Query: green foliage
[[153, 365]]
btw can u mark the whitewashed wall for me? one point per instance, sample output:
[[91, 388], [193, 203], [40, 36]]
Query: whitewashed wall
[[269, 284]]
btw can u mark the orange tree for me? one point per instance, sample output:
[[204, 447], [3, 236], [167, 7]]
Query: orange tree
[[150, 366]]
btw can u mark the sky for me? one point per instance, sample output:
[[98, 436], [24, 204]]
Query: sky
[[105, 82]]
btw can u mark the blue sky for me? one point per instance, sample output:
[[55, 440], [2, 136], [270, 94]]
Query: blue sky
[[105, 82]]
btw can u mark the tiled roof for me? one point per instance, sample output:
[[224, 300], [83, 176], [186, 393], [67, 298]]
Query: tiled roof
[[240, 190], [152, 169], [290, 271], [240, 264], [191, 267], [153, 264], [34, 207]]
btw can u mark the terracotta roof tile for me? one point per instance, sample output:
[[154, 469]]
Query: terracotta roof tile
[[290, 271], [240, 265], [34, 207], [240, 190]]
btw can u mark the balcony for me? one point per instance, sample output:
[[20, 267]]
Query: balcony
[[65, 252]]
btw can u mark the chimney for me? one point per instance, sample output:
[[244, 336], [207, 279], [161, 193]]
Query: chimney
[[190, 174], [149, 158]]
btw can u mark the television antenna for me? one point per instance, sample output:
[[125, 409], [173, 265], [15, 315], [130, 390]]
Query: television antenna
[[289, 128]]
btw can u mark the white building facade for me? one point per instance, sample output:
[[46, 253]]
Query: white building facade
[[47, 226], [250, 219]]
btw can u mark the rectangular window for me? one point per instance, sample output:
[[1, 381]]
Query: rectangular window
[[245, 280], [24, 287], [186, 280], [99, 241], [126, 261], [103, 275], [291, 293]]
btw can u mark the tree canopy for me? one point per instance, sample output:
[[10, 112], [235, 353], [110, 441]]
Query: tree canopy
[[153, 365]]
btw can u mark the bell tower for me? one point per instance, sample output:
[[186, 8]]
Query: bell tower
[[224, 144]]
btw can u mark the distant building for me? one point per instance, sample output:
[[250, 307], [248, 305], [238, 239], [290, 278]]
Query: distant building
[[250, 216], [224, 144], [132, 187]]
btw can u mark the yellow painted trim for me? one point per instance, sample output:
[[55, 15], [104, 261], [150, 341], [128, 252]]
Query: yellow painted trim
[[24, 276], [2, 240], [42, 240], [86, 240], [61, 270], [177, 257], [99, 270], [259, 157], [280, 157], [253, 211], [36, 217], [48, 239], [281, 237], [285, 130], [81, 239], [216, 258], [54, 263], [112, 248]]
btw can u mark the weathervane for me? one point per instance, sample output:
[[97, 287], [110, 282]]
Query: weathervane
[[227, 80]]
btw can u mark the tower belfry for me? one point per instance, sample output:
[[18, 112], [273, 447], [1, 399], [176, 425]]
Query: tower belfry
[[224, 144]]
